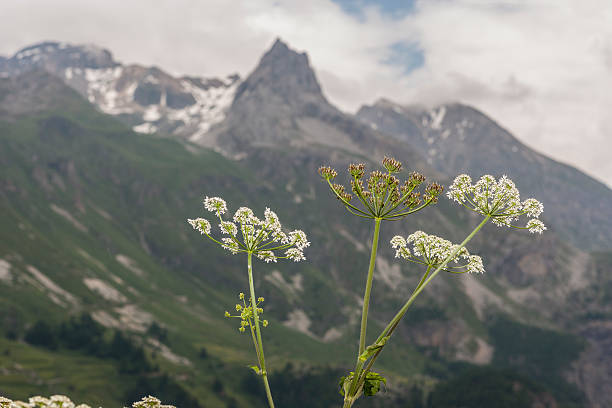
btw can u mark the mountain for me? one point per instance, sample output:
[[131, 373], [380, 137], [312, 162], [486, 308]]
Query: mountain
[[281, 106], [93, 219], [145, 98], [456, 139]]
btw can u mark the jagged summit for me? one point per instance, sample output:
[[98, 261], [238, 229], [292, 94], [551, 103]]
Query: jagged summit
[[281, 104], [284, 74]]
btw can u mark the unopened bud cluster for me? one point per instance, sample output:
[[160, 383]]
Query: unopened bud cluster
[[381, 194], [246, 316], [247, 233]]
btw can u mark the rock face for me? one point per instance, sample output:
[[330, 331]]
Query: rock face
[[459, 139], [146, 98], [281, 105]]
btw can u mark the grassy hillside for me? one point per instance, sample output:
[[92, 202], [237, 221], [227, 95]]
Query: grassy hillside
[[94, 221]]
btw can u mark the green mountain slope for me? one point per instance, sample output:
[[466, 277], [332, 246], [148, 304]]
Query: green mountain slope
[[93, 220]]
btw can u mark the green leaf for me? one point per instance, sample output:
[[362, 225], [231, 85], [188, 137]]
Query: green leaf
[[371, 386], [345, 381]]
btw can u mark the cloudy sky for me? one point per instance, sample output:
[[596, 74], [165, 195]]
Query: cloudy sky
[[540, 68]]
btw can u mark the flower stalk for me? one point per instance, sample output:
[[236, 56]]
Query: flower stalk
[[259, 345], [498, 200], [368, 288], [425, 280], [265, 239], [382, 198]]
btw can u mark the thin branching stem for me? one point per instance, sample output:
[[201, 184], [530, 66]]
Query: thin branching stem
[[260, 354]]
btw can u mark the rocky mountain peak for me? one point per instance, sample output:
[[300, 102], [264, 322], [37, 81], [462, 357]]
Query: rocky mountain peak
[[284, 74]]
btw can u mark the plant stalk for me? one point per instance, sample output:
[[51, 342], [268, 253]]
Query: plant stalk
[[368, 288], [259, 349], [395, 321], [365, 309]]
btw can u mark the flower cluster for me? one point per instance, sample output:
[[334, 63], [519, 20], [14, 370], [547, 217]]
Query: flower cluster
[[247, 233], [499, 199], [433, 251], [246, 315], [381, 194], [61, 401], [150, 402]]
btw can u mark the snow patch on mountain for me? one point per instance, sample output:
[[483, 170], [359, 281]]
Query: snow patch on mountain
[[147, 99]]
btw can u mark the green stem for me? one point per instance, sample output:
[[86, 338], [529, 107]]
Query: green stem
[[388, 331], [260, 352], [366, 306], [368, 288]]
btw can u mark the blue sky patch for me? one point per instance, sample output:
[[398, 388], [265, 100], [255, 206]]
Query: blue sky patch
[[393, 8], [407, 55]]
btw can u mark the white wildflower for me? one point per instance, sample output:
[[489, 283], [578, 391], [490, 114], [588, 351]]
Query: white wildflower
[[398, 242], [200, 224], [298, 238], [267, 256], [21, 404], [228, 227], [230, 245], [55, 401], [39, 401], [401, 250], [259, 237], [460, 189], [533, 207], [432, 250], [147, 402], [295, 254], [61, 401], [499, 200], [244, 215], [271, 220], [216, 205], [475, 264], [535, 226]]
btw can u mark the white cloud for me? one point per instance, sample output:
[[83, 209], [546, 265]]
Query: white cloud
[[541, 68]]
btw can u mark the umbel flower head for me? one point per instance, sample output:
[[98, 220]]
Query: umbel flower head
[[499, 199], [381, 194], [432, 251], [246, 315], [246, 233], [150, 402], [62, 401]]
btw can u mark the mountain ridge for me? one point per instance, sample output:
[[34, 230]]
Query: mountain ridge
[[147, 99], [67, 176], [457, 138]]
